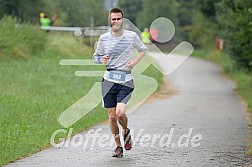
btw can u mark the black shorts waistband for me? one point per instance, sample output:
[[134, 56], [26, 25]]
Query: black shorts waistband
[[127, 72]]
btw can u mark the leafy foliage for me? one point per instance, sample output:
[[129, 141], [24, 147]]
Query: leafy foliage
[[230, 20], [131, 8], [79, 12], [202, 32], [235, 18], [208, 8], [152, 10], [25, 10], [19, 40], [198, 21]]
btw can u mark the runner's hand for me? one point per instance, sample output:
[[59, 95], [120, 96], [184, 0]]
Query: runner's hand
[[131, 64], [104, 59]]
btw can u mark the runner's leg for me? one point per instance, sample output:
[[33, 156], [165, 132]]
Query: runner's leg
[[113, 125], [122, 117]]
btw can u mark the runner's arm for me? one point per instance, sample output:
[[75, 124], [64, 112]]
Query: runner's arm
[[131, 64]]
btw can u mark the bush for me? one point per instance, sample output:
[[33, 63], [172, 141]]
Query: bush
[[202, 32], [20, 40], [235, 19]]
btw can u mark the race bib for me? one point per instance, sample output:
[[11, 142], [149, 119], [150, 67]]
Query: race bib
[[117, 76]]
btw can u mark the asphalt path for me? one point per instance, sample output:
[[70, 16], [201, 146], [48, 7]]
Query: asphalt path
[[203, 123]]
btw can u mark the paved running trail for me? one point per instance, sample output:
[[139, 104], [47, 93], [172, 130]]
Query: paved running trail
[[205, 108]]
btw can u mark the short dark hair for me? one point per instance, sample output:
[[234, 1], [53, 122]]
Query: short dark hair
[[116, 10]]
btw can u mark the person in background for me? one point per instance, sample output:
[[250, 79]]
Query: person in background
[[145, 36], [45, 22], [154, 34]]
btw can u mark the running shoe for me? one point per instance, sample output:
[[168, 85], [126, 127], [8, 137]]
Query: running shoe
[[127, 140], [118, 152]]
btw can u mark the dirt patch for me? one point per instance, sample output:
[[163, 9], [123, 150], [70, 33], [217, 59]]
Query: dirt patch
[[166, 90]]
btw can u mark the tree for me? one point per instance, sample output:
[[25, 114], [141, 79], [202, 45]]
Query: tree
[[154, 9], [185, 16], [207, 8], [26, 10], [202, 31], [131, 9], [79, 12], [234, 18]]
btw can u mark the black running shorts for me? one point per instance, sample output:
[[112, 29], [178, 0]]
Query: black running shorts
[[114, 93]]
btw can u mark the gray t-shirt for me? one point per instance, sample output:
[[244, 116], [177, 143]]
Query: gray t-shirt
[[120, 50]]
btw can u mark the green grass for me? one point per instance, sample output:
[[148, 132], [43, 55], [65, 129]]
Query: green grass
[[19, 40], [36, 89], [242, 78]]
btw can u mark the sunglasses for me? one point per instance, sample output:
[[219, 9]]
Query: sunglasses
[[116, 19]]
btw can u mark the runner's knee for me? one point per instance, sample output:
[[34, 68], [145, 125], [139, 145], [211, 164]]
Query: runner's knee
[[121, 116], [112, 118]]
